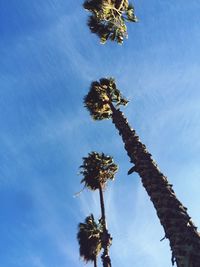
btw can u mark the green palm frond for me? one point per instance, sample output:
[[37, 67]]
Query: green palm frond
[[109, 17], [97, 169], [89, 239], [100, 95]]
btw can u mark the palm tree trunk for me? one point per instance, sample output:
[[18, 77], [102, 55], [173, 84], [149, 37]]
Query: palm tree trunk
[[179, 229], [95, 262], [103, 215], [106, 239]]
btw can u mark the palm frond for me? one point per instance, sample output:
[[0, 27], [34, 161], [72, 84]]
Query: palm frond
[[97, 169], [108, 18], [100, 95], [89, 239]]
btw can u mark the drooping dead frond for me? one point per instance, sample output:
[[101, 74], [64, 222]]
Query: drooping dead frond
[[89, 238]]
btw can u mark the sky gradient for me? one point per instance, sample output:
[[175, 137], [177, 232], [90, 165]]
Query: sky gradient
[[48, 60]]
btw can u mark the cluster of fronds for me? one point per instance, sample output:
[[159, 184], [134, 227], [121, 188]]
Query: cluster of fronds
[[89, 238], [97, 169], [109, 17], [100, 95]]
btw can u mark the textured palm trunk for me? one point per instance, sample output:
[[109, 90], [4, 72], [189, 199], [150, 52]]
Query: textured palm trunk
[[179, 229], [106, 236]]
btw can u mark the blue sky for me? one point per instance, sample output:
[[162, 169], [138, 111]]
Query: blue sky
[[48, 60]]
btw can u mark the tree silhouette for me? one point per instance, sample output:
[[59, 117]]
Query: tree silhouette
[[109, 17], [97, 169], [89, 238], [103, 101]]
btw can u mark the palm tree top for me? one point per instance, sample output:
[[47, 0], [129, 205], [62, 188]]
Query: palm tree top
[[99, 97], [108, 18], [89, 238], [97, 169]]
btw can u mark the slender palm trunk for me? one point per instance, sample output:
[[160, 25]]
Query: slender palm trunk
[[106, 236], [103, 214], [95, 262], [179, 229]]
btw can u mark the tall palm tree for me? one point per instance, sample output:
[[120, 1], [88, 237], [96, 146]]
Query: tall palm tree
[[102, 101], [97, 169], [109, 17], [89, 238]]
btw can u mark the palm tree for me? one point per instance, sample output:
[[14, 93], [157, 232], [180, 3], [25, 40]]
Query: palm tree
[[89, 238], [102, 101], [97, 169], [108, 18]]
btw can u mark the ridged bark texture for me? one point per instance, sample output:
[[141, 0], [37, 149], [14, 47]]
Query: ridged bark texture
[[106, 239], [179, 229]]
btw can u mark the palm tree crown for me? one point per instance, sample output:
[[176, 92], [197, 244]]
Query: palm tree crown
[[97, 169], [100, 95], [89, 238], [108, 18]]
